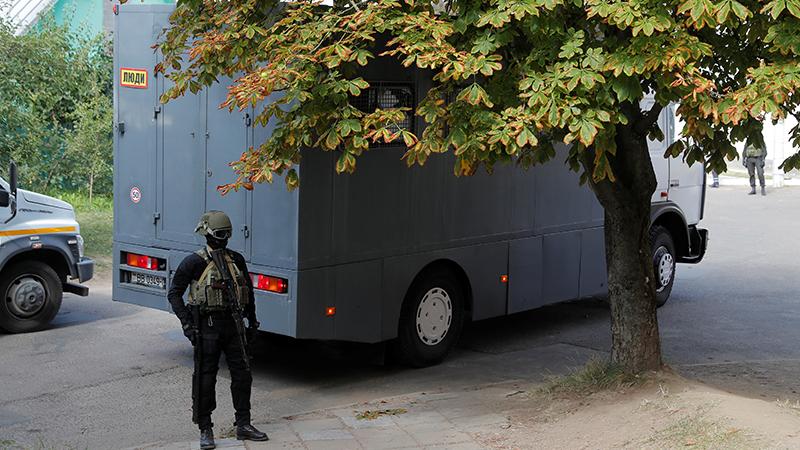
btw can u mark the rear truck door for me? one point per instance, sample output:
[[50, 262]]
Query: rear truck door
[[135, 96], [226, 140], [686, 186], [661, 165], [182, 165], [274, 211]]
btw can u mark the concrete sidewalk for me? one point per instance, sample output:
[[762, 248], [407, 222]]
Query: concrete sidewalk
[[744, 180], [463, 420]]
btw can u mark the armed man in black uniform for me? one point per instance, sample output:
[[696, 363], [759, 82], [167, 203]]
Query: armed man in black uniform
[[214, 324]]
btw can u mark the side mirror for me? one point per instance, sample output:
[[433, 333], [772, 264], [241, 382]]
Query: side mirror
[[10, 198], [12, 178]]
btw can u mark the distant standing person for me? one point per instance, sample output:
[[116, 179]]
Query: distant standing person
[[753, 156]]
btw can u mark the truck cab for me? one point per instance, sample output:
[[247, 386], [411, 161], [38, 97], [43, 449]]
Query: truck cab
[[41, 257]]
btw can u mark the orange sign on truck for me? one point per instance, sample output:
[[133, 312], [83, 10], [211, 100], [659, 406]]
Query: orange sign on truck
[[134, 78]]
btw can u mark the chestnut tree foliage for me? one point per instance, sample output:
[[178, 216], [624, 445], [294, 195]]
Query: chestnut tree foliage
[[510, 79]]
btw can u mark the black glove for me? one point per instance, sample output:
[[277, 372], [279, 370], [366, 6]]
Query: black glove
[[191, 332], [252, 329]]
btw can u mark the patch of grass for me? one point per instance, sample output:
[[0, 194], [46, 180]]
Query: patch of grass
[[41, 444], [597, 375], [97, 231], [8, 444], [698, 432], [96, 219], [372, 415], [791, 406], [227, 433]]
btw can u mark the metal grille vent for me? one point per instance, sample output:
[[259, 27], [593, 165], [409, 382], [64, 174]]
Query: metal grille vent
[[385, 96]]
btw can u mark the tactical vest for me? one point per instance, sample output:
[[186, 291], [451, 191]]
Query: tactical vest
[[751, 151], [208, 292]]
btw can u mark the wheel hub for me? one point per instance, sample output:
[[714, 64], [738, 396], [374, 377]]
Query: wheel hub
[[26, 296], [434, 316], [664, 265]]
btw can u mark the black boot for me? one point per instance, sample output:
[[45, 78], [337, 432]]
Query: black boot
[[752, 191], [763, 190], [250, 433], [207, 439]]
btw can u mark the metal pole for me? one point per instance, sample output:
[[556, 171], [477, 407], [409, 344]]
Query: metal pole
[[779, 137]]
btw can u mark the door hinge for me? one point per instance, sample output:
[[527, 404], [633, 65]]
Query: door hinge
[[246, 231], [156, 112], [156, 218], [247, 120]]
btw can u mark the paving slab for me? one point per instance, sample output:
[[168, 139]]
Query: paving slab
[[303, 426], [273, 445], [351, 444], [227, 443], [431, 434], [325, 435], [386, 438]]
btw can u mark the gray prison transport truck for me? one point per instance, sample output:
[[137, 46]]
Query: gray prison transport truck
[[41, 249], [388, 253]]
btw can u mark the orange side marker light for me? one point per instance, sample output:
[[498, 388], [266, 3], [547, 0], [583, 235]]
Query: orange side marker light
[[330, 311], [504, 278]]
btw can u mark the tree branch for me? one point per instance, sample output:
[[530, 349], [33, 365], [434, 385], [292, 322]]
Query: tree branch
[[647, 119]]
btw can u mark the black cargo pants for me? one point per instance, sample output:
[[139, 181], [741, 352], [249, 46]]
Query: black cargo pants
[[218, 332]]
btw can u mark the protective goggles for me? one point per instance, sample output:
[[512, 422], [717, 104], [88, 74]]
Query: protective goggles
[[220, 234]]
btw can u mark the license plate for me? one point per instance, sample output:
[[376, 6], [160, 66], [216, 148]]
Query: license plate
[[148, 280]]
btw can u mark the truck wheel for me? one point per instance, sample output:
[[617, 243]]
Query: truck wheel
[[31, 297], [663, 263], [430, 320]]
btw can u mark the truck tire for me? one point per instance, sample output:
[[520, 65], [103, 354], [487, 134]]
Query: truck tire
[[431, 319], [663, 262], [31, 297]]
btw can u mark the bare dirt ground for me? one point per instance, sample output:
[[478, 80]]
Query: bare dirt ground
[[664, 411]]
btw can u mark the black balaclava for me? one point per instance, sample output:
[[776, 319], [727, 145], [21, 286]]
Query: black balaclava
[[215, 243]]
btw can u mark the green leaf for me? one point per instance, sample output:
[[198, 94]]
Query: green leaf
[[292, 180], [332, 140], [675, 149], [587, 133], [793, 6], [740, 10], [627, 89]]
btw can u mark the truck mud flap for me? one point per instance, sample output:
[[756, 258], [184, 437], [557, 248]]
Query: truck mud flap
[[76, 289], [699, 243]]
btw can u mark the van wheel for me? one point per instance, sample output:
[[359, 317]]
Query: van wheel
[[31, 297], [431, 319], [663, 263]]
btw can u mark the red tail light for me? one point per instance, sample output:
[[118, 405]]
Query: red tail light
[[271, 284], [143, 262]]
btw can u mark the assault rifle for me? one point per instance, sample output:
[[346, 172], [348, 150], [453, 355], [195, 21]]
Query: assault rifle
[[198, 365], [218, 256]]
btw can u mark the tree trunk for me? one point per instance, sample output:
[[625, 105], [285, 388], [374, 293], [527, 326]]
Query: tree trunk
[[631, 285], [634, 326], [91, 185]]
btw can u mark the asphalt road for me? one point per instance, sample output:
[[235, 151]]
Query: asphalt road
[[111, 375]]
